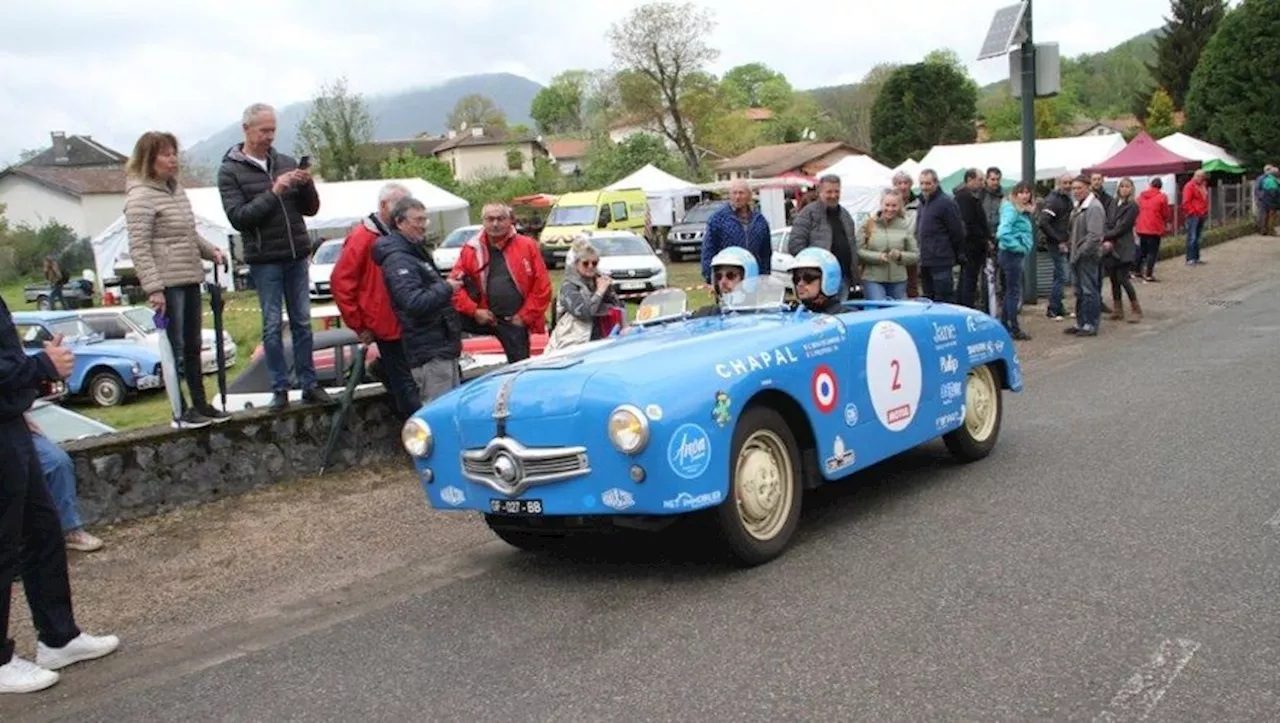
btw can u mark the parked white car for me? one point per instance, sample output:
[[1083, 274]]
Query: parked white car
[[137, 323], [630, 261], [322, 263], [781, 260], [446, 254]]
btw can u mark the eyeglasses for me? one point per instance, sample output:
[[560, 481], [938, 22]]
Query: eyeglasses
[[730, 274], [806, 277], [590, 264]]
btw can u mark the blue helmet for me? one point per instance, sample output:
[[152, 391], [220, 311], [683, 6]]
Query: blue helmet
[[742, 258], [825, 262]]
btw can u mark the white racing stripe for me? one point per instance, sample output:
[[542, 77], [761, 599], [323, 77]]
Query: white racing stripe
[[1144, 689]]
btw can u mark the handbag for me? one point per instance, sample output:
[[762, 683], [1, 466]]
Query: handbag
[[569, 331]]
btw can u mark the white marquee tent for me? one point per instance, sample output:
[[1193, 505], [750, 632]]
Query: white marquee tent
[[1054, 156], [1203, 151], [342, 204], [911, 168], [661, 189], [863, 181]]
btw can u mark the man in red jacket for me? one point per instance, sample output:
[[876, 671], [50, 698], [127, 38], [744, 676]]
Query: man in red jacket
[[361, 296], [1195, 205], [505, 285]]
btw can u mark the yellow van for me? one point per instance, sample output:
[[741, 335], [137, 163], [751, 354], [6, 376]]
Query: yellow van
[[573, 213]]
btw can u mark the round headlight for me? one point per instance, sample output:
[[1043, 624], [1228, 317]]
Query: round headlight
[[415, 435], [628, 429], [136, 369]]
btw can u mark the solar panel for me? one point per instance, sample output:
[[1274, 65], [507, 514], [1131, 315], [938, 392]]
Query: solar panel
[[1004, 32]]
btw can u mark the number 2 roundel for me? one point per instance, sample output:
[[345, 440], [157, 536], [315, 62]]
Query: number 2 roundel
[[893, 375], [825, 391]]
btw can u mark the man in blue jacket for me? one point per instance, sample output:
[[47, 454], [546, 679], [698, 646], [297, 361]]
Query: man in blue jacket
[[31, 541], [737, 224], [940, 233]]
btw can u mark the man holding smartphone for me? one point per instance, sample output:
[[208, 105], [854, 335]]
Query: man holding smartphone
[[266, 196]]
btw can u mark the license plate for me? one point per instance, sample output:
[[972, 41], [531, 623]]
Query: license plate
[[630, 285], [515, 507], [150, 382], [560, 254]]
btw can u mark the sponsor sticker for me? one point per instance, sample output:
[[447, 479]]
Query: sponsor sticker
[[686, 501], [894, 376], [825, 389], [757, 362], [981, 351], [689, 452], [720, 412], [653, 412], [945, 336], [821, 347], [950, 392], [840, 456], [978, 322], [949, 420], [453, 496], [948, 364], [851, 414], [617, 499]]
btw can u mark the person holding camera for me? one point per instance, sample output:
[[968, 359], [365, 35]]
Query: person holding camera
[[266, 196], [31, 540]]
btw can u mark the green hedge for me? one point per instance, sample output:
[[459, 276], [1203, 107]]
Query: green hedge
[[1177, 245]]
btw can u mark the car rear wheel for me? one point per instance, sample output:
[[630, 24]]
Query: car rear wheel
[[983, 410], [43, 304], [107, 389], [757, 521]]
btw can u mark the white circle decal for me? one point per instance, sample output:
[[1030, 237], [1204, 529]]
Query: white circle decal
[[893, 375]]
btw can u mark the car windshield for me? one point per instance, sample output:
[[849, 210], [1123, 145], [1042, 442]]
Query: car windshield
[[459, 236], [64, 425], [701, 212], [662, 306], [572, 216], [328, 252], [779, 240], [766, 294], [621, 246], [143, 319]]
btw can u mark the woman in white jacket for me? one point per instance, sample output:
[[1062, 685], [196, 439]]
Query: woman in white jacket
[[585, 299]]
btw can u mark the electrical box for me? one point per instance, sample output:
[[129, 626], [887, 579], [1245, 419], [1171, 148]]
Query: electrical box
[[1048, 71]]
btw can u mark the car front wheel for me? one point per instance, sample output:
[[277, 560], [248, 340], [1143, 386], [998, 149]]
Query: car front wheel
[[107, 389], [983, 410], [760, 517]]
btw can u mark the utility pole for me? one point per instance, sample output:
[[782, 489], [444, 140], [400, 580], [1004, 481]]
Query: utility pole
[[1029, 143]]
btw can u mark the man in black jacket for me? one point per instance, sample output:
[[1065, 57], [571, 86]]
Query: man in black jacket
[[265, 196], [1054, 223], [940, 233], [31, 540], [978, 236], [431, 330]]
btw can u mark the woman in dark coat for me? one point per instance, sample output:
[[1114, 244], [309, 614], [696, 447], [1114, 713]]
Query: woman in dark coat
[[1119, 250]]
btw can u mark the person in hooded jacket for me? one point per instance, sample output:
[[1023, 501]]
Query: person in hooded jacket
[[430, 330], [1119, 250], [1154, 211], [586, 297]]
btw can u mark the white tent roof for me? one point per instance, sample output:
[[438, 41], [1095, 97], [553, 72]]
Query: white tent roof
[[656, 182], [113, 244], [860, 170], [1054, 156], [1196, 149], [912, 168]]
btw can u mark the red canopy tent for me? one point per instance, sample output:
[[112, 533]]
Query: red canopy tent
[[536, 200], [1143, 157]]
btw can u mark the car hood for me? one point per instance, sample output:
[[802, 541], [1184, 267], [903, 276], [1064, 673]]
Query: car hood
[[321, 272], [127, 350], [538, 388], [449, 253], [609, 264], [562, 234], [702, 226]]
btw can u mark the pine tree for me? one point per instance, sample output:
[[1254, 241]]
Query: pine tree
[[1182, 40], [1160, 120]]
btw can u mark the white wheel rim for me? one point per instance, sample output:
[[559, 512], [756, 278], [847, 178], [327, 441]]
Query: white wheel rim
[[980, 403], [762, 485], [105, 393]]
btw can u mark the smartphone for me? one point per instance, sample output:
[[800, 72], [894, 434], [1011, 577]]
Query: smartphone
[[304, 162]]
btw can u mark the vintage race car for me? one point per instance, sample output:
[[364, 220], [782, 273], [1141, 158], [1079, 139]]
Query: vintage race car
[[729, 416]]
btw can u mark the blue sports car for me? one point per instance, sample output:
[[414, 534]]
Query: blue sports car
[[728, 416], [108, 373]]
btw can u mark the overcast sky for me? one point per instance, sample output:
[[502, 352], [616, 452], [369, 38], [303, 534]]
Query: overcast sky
[[114, 68]]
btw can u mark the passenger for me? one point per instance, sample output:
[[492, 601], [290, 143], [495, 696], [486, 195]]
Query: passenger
[[729, 270], [816, 275]]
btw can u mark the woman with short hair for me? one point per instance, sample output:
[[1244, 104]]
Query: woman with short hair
[[585, 300]]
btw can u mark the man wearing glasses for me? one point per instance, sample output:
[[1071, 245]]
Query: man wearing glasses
[[729, 269], [818, 277]]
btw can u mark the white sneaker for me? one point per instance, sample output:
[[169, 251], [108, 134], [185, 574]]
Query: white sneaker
[[23, 676], [83, 647]]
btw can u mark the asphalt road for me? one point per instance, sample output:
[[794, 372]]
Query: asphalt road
[[1115, 558]]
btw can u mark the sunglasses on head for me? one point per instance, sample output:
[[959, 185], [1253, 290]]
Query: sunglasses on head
[[807, 277], [730, 274]]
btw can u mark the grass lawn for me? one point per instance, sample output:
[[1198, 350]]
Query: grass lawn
[[244, 323]]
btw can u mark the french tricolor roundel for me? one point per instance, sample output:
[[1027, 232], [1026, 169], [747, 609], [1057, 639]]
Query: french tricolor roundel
[[825, 391]]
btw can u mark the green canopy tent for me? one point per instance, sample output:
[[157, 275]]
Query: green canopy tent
[[955, 179]]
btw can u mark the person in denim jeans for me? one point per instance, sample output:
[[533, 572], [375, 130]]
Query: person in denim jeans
[[1088, 224], [1015, 235], [265, 195], [1054, 223], [1195, 205], [60, 477]]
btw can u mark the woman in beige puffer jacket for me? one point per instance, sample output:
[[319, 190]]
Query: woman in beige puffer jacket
[[167, 254]]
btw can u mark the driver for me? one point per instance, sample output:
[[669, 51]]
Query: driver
[[730, 269], [816, 275]]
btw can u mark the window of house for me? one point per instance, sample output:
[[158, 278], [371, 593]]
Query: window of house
[[515, 160]]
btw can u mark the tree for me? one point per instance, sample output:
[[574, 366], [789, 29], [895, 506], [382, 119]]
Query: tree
[[335, 131], [921, 106], [27, 154], [607, 162], [756, 85], [1003, 116], [1178, 48], [558, 107], [663, 44], [1160, 121], [849, 107], [1233, 96], [407, 164], [477, 110]]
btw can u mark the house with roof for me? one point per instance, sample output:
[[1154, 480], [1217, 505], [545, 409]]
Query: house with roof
[[477, 152], [807, 158], [378, 151], [568, 154], [77, 182]]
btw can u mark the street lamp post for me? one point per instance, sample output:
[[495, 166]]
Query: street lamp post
[[1029, 143]]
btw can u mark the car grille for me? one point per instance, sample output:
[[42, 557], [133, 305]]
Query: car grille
[[688, 235], [633, 273], [322, 287], [509, 467]]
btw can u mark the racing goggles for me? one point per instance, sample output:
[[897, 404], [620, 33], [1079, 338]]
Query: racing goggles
[[807, 276], [731, 273]]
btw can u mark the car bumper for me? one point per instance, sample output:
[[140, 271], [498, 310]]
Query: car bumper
[[209, 359], [150, 381]]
